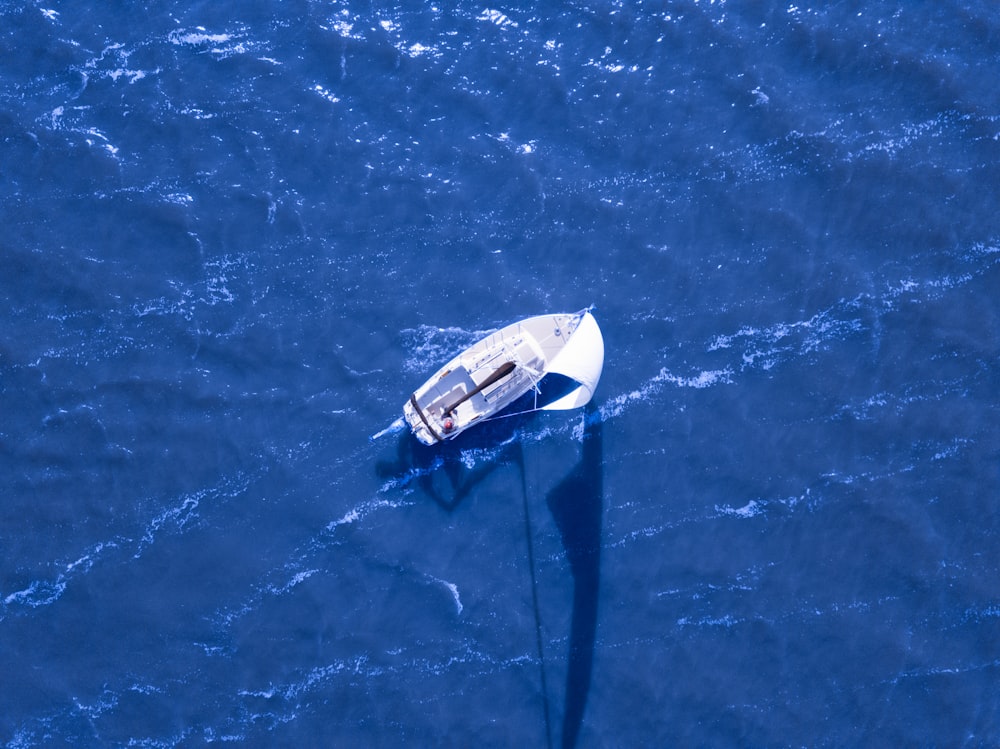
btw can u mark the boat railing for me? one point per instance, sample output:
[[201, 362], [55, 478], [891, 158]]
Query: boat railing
[[502, 351], [499, 391]]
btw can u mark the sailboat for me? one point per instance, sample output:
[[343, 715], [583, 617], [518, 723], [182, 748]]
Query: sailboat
[[486, 378]]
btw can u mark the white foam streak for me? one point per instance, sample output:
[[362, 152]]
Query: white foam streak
[[361, 511], [198, 38], [750, 509], [964, 668], [429, 345], [220, 45], [45, 592], [764, 347], [296, 579], [180, 517], [722, 621], [363, 666], [298, 564], [452, 588], [496, 17], [703, 379]]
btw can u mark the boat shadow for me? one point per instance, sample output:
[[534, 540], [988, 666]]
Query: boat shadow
[[443, 472], [577, 507]]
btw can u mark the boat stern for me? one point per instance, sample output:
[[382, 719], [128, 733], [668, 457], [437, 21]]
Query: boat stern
[[420, 423]]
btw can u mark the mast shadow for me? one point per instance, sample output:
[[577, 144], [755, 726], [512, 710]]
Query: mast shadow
[[443, 473], [576, 504]]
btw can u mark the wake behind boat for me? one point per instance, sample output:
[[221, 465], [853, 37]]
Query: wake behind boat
[[487, 377]]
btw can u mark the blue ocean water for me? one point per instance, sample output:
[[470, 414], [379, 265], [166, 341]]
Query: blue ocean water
[[237, 235]]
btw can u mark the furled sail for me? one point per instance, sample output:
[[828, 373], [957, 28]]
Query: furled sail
[[582, 360]]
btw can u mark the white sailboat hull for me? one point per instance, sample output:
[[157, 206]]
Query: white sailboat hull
[[493, 373]]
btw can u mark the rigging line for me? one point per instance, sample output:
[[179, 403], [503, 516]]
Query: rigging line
[[516, 413], [534, 599]]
